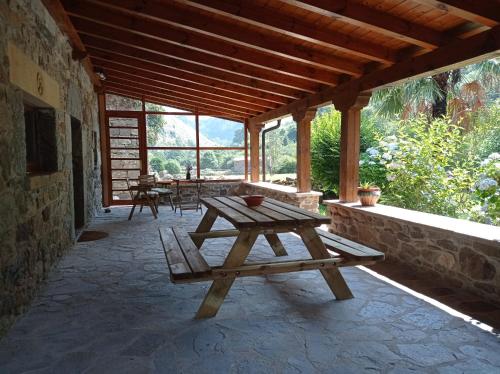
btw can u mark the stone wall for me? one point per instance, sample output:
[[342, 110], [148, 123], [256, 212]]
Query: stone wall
[[209, 189], [459, 252], [287, 194], [37, 211]]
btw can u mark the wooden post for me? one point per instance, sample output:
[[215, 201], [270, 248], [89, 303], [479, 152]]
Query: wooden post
[[349, 144], [303, 120], [105, 161], [254, 151]]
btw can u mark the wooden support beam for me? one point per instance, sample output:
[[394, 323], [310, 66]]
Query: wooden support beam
[[244, 11], [136, 23], [203, 59], [58, 13], [109, 59], [374, 20], [105, 159], [452, 56], [349, 144], [254, 151], [484, 12], [133, 47], [192, 20], [303, 120]]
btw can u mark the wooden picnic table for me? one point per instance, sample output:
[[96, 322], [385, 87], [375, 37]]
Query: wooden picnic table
[[186, 264]]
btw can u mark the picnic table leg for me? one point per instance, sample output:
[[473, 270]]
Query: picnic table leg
[[220, 287], [205, 225], [275, 243], [332, 276]]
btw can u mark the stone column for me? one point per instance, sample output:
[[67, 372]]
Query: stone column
[[303, 120], [350, 107], [254, 151]]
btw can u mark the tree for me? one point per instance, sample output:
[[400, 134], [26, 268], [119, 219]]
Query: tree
[[209, 160], [172, 167], [156, 164]]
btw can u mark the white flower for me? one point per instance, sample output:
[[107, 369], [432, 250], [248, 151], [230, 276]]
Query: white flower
[[392, 146], [391, 139], [485, 162], [361, 162], [394, 165], [371, 162], [387, 156], [494, 156], [372, 152], [391, 177], [486, 184]]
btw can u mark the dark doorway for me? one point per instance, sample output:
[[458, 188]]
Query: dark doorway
[[78, 192]]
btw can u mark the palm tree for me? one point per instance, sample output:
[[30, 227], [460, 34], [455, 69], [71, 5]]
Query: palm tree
[[455, 92]]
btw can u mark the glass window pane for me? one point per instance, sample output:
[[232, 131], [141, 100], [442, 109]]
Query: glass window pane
[[281, 152], [222, 164], [218, 132], [168, 164], [171, 130], [115, 102], [150, 107]]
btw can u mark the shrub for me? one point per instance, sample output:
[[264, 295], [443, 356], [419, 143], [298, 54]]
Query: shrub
[[156, 164], [487, 191], [286, 165], [209, 161], [172, 167]]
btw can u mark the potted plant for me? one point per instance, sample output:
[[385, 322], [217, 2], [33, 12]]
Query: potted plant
[[368, 194]]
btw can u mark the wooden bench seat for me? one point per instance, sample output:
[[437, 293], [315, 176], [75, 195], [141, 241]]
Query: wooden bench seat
[[349, 249], [185, 262]]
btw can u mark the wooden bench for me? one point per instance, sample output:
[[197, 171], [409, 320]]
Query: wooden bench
[[352, 251], [185, 262]]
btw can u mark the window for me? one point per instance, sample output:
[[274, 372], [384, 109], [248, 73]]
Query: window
[[166, 130], [41, 148], [115, 102], [172, 163], [218, 132], [222, 164]]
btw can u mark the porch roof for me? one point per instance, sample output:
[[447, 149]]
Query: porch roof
[[262, 60]]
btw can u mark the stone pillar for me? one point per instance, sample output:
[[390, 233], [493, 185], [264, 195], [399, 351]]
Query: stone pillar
[[350, 107], [254, 151], [303, 120]]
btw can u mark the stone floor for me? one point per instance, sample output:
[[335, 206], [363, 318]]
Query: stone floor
[[109, 307]]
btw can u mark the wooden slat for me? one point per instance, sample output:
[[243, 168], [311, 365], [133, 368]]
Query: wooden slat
[[348, 247], [195, 260], [236, 218], [317, 217], [287, 212], [179, 268], [260, 218], [277, 216]]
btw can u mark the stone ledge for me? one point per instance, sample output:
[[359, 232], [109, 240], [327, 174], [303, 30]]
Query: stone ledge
[[289, 190], [459, 226]]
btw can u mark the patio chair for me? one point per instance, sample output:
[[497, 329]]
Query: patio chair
[[182, 202], [150, 179], [141, 194]]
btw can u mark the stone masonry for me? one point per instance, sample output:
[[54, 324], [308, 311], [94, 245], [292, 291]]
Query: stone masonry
[[459, 253], [37, 211]]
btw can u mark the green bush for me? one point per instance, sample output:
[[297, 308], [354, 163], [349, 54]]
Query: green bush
[[487, 191], [209, 161], [172, 167], [156, 164], [286, 165]]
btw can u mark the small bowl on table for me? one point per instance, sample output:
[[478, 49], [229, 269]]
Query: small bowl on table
[[253, 200]]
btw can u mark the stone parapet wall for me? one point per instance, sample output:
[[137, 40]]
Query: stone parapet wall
[[208, 189], [36, 211], [460, 253], [287, 194]]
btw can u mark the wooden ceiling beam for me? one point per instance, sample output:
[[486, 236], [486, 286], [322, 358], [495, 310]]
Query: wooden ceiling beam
[[127, 49], [200, 58], [192, 20], [244, 11], [484, 12], [132, 22], [58, 13], [452, 56], [375, 20], [155, 86], [145, 90], [177, 84], [169, 102], [108, 58]]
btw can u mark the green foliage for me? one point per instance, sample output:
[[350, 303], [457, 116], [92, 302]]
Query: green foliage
[[172, 167], [325, 148], [484, 136], [209, 160], [487, 191], [287, 165], [156, 164]]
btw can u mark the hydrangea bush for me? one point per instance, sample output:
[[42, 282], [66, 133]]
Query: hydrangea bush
[[487, 191]]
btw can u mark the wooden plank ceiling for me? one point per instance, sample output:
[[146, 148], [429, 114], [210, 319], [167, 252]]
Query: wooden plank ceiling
[[261, 59]]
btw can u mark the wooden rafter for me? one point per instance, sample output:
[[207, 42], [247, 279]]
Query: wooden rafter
[[191, 20], [485, 12], [244, 11], [200, 42], [374, 20], [469, 50]]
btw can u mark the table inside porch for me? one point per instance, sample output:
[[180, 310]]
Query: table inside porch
[[268, 219]]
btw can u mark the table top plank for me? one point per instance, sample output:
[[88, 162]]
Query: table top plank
[[318, 217], [236, 218], [241, 207], [296, 216], [282, 218]]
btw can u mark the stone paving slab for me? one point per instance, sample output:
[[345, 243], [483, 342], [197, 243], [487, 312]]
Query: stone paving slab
[[109, 307]]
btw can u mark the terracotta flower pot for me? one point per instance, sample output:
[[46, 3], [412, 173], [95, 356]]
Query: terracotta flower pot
[[368, 196]]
